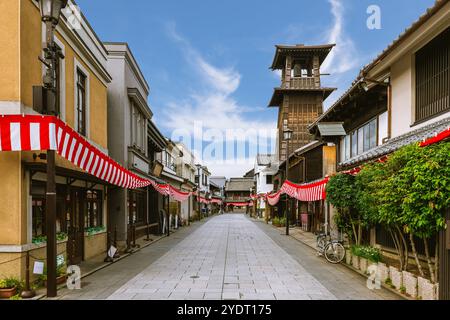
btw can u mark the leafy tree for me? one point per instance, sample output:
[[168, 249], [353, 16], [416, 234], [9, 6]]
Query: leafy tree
[[379, 206], [426, 177], [341, 191]]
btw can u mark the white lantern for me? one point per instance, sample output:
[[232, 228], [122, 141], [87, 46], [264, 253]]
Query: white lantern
[[51, 9]]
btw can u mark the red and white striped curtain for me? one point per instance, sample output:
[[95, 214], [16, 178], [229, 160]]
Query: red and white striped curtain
[[273, 199], [216, 201], [239, 204], [312, 191], [41, 133], [305, 192]]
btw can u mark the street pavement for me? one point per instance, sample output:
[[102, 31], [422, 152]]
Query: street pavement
[[228, 257]]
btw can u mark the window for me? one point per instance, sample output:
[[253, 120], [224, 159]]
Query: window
[[138, 127], [347, 147], [94, 212], [137, 207], [269, 179], [81, 102], [38, 213], [355, 144], [360, 140], [432, 77]]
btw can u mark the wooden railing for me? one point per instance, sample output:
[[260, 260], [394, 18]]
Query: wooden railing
[[304, 83]]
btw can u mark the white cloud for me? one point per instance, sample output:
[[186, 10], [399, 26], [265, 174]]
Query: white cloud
[[213, 106], [343, 57]]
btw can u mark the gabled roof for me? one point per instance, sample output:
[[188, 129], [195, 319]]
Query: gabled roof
[[219, 181], [240, 184], [298, 50], [250, 174]]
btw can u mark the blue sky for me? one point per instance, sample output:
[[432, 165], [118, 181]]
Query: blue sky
[[209, 60]]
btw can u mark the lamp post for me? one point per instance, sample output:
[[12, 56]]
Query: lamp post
[[287, 137], [199, 166], [50, 14]]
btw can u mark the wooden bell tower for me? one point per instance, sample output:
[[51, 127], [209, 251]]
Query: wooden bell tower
[[300, 97]]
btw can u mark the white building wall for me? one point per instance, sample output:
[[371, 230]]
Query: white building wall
[[403, 97]]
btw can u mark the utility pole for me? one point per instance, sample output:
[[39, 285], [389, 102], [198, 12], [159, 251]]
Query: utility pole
[[198, 192], [287, 138], [50, 13]]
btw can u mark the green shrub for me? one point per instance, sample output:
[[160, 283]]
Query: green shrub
[[60, 236], [9, 283], [370, 253], [94, 230], [277, 221], [388, 282]]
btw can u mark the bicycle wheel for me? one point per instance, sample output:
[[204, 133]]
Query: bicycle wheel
[[321, 242], [334, 252]]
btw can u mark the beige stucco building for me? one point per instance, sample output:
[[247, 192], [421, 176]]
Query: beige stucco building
[[83, 80]]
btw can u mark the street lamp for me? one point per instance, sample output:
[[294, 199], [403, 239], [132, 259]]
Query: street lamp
[[199, 166], [51, 10], [287, 134], [50, 14]]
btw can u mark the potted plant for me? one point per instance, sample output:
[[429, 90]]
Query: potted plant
[[9, 287], [61, 275], [276, 222], [367, 255]]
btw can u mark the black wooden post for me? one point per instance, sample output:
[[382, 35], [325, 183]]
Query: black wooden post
[[27, 293]]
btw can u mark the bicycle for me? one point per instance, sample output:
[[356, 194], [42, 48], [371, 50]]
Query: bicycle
[[333, 250]]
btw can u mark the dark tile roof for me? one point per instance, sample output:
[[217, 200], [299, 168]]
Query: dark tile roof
[[278, 94], [283, 50], [240, 184], [394, 144]]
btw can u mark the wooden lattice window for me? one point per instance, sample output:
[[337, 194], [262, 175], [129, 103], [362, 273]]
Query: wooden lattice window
[[433, 77]]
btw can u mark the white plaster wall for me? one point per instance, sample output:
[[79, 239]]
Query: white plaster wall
[[403, 95]]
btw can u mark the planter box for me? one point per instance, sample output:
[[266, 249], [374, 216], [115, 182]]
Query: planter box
[[383, 272], [355, 262], [410, 284], [396, 277], [363, 265], [7, 293], [348, 257], [426, 290]]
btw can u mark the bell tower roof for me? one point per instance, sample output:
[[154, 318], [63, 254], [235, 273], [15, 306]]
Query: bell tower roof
[[299, 51]]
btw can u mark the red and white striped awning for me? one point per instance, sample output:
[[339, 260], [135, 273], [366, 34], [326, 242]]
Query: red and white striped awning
[[239, 204], [41, 133], [312, 191], [309, 192], [216, 201], [274, 198]]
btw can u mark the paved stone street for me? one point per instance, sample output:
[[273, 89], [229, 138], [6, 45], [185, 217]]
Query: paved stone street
[[229, 257]]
